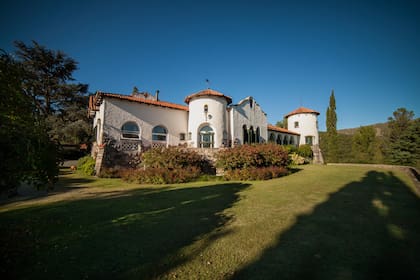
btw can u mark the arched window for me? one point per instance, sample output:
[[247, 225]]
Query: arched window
[[130, 130], [206, 137], [245, 134], [159, 133], [279, 139], [292, 140], [251, 135], [272, 138], [257, 139]]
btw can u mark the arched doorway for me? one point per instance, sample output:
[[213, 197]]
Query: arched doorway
[[206, 137], [245, 134]]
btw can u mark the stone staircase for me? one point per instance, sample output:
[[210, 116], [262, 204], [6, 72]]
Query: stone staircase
[[318, 158]]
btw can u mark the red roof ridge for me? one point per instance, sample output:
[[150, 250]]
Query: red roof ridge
[[302, 110], [99, 95], [280, 129], [208, 92]]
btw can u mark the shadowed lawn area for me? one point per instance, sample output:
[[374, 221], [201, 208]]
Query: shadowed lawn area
[[324, 222]]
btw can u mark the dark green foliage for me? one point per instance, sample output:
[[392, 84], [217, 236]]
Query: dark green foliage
[[403, 138], [282, 123], [47, 74], [27, 153], [365, 146], [332, 139], [290, 148], [344, 147], [305, 151], [86, 165]]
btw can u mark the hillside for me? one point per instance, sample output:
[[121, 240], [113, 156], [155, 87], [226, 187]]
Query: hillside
[[380, 129]]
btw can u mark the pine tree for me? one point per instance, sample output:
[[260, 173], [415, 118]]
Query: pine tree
[[332, 130], [47, 81], [403, 138]]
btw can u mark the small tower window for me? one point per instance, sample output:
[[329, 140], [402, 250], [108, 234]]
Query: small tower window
[[206, 108], [296, 124]]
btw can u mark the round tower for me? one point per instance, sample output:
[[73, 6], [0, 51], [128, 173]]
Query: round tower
[[207, 119], [305, 122]]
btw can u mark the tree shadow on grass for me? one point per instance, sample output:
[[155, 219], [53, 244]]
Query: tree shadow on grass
[[138, 234], [367, 230]]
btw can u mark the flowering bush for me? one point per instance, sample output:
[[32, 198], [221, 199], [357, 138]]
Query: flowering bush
[[166, 166], [158, 175], [254, 173], [172, 158], [262, 155], [253, 162]]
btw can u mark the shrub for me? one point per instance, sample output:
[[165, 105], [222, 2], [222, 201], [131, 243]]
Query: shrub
[[86, 165], [305, 151], [158, 175], [245, 156], [172, 158], [296, 159], [291, 148], [111, 172]]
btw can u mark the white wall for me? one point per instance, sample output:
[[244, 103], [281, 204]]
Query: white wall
[[308, 126], [146, 117], [98, 121], [244, 114], [216, 118]]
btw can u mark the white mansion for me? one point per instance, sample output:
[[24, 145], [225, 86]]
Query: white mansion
[[209, 120]]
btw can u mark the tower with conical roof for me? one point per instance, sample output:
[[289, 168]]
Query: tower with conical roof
[[208, 119], [305, 122]]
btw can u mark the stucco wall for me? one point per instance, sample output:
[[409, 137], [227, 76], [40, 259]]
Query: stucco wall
[[307, 126], [146, 117], [243, 114]]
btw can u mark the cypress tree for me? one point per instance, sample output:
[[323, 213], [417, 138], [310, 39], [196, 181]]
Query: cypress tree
[[332, 147]]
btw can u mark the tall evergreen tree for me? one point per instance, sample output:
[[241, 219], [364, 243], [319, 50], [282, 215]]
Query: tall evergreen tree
[[403, 138], [331, 123], [26, 151]]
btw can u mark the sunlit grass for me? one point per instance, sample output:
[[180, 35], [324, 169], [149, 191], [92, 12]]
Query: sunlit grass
[[321, 222]]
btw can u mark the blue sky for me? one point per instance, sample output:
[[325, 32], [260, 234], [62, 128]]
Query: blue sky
[[285, 54]]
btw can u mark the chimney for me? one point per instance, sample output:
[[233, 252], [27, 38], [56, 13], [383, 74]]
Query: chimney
[[157, 95]]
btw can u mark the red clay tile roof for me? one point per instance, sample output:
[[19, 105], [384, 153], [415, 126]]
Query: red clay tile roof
[[208, 92], [97, 99], [301, 110], [279, 129]]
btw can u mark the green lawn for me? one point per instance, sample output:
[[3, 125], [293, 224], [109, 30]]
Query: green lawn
[[322, 222]]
